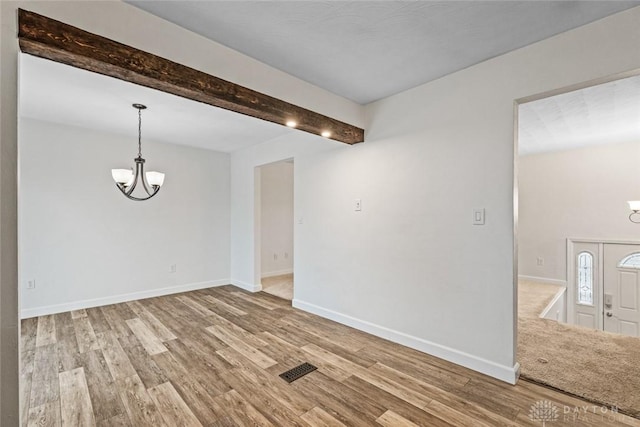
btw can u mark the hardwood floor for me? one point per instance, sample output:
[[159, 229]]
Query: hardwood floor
[[212, 358], [280, 286]]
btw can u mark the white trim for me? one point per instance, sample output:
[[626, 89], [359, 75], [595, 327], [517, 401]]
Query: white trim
[[600, 296], [277, 273], [247, 286], [549, 306], [115, 299], [508, 374], [571, 280], [543, 280], [611, 241]]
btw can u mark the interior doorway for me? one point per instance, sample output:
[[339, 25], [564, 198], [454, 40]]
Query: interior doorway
[[276, 203], [578, 163]]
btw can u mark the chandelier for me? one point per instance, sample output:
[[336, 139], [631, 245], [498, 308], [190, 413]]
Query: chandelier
[[127, 181]]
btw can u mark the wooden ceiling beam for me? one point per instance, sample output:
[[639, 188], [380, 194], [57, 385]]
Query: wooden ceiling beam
[[47, 38]]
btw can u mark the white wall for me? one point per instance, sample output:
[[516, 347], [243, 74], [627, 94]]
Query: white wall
[[85, 244], [579, 193], [276, 223], [411, 266], [246, 249]]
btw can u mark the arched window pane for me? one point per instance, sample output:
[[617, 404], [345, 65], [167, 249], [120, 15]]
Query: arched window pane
[[631, 261], [585, 278]]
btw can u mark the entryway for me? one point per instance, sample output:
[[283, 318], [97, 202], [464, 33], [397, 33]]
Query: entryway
[[604, 286], [578, 299], [276, 227]]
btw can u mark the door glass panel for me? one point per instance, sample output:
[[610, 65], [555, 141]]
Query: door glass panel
[[631, 261], [585, 278]]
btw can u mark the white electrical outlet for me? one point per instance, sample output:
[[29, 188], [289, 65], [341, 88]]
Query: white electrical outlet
[[540, 261], [173, 268], [275, 257], [31, 284]]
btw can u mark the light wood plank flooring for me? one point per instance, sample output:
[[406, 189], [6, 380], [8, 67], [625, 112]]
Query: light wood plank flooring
[[280, 286], [212, 358]]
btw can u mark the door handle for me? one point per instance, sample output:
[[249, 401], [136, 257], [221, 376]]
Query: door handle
[[609, 314]]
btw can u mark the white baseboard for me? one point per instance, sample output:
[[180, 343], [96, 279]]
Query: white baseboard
[[543, 280], [246, 286], [115, 299], [508, 374], [277, 273]]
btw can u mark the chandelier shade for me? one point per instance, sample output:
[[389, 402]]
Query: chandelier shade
[[128, 179], [155, 178], [634, 205], [122, 176]]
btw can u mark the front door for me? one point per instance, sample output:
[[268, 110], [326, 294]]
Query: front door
[[621, 299]]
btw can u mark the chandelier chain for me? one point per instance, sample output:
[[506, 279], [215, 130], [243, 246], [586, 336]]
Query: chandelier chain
[[139, 132]]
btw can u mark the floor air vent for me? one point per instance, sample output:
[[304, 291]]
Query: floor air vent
[[298, 372]]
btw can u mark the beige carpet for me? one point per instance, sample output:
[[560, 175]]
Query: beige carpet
[[533, 297], [595, 365], [280, 286]]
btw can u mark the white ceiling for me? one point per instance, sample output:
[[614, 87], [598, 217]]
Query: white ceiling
[[607, 113], [362, 50], [62, 94], [367, 50]]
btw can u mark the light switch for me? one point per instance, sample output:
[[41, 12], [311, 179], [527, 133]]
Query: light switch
[[478, 216], [358, 205]]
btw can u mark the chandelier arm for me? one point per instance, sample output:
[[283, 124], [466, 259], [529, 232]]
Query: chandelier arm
[[143, 178], [140, 199], [122, 188], [135, 180]]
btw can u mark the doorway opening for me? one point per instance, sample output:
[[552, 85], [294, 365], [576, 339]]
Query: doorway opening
[[275, 204], [578, 163]]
